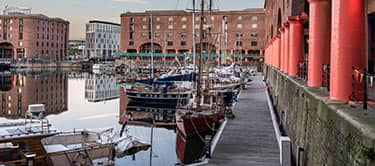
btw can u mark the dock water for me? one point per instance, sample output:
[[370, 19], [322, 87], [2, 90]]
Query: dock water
[[248, 139]]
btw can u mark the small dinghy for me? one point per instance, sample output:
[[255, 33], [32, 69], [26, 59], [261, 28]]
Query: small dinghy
[[125, 145], [78, 148]]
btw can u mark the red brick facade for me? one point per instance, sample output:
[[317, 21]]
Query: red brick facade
[[277, 13], [173, 31], [34, 36]]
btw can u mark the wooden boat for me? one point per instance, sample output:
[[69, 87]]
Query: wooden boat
[[20, 142], [206, 118], [78, 148], [189, 150], [165, 94]]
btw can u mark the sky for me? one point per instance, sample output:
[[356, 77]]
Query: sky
[[79, 12]]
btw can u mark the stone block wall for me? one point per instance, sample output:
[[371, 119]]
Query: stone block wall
[[330, 132]]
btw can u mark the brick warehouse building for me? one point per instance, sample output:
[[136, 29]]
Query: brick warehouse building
[[26, 36], [233, 32], [316, 57]]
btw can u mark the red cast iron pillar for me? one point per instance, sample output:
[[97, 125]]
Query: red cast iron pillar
[[319, 40], [266, 55], [273, 52], [295, 44], [277, 51], [348, 45], [282, 47], [286, 48]]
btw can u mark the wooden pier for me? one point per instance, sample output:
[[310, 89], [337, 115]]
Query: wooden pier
[[249, 139]]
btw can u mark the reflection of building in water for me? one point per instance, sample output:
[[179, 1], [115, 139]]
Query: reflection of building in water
[[18, 91], [101, 88]]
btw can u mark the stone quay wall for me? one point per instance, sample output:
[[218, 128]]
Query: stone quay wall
[[330, 132]]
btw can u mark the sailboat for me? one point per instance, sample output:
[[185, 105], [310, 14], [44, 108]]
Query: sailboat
[[207, 111]]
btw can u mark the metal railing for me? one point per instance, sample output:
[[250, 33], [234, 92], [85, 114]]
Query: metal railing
[[359, 86], [326, 68], [303, 70]]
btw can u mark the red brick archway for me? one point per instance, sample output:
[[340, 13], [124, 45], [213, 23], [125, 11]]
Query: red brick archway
[[147, 48]]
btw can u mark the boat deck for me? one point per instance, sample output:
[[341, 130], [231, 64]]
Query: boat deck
[[248, 139], [11, 131]]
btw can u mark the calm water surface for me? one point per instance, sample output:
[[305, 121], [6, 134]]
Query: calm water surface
[[81, 101]]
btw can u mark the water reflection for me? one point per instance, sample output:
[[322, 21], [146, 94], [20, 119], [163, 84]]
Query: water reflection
[[139, 114], [18, 90], [188, 150], [101, 88], [68, 108]]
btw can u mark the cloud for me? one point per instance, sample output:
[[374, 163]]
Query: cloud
[[132, 1]]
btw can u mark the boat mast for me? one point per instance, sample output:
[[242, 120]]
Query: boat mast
[[199, 91], [194, 38], [152, 46], [209, 49]]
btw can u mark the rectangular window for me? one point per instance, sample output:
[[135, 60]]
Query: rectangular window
[[254, 18], [183, 35], [239, 26], [254, 43], [20, 28], [239, 43], [170, 34], [183, 43], [254, 34], [254, 26], [170, 43], [157, 34]]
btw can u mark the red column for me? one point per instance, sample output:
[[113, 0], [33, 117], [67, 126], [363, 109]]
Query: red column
[[282, 47], [267, 54], [273, 52], [295, 44], [348, 45], [286, 48], [277, 51], [319, 40]]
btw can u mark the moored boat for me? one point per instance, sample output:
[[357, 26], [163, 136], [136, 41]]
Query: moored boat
[[166, 94], [20, 142], [78, 148], [189, 150], [205, 118]]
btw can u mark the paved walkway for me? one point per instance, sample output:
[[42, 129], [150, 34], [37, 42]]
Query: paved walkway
[[249, 139]]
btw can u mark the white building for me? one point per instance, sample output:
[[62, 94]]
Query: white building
[[102, 39], [101, 88]]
